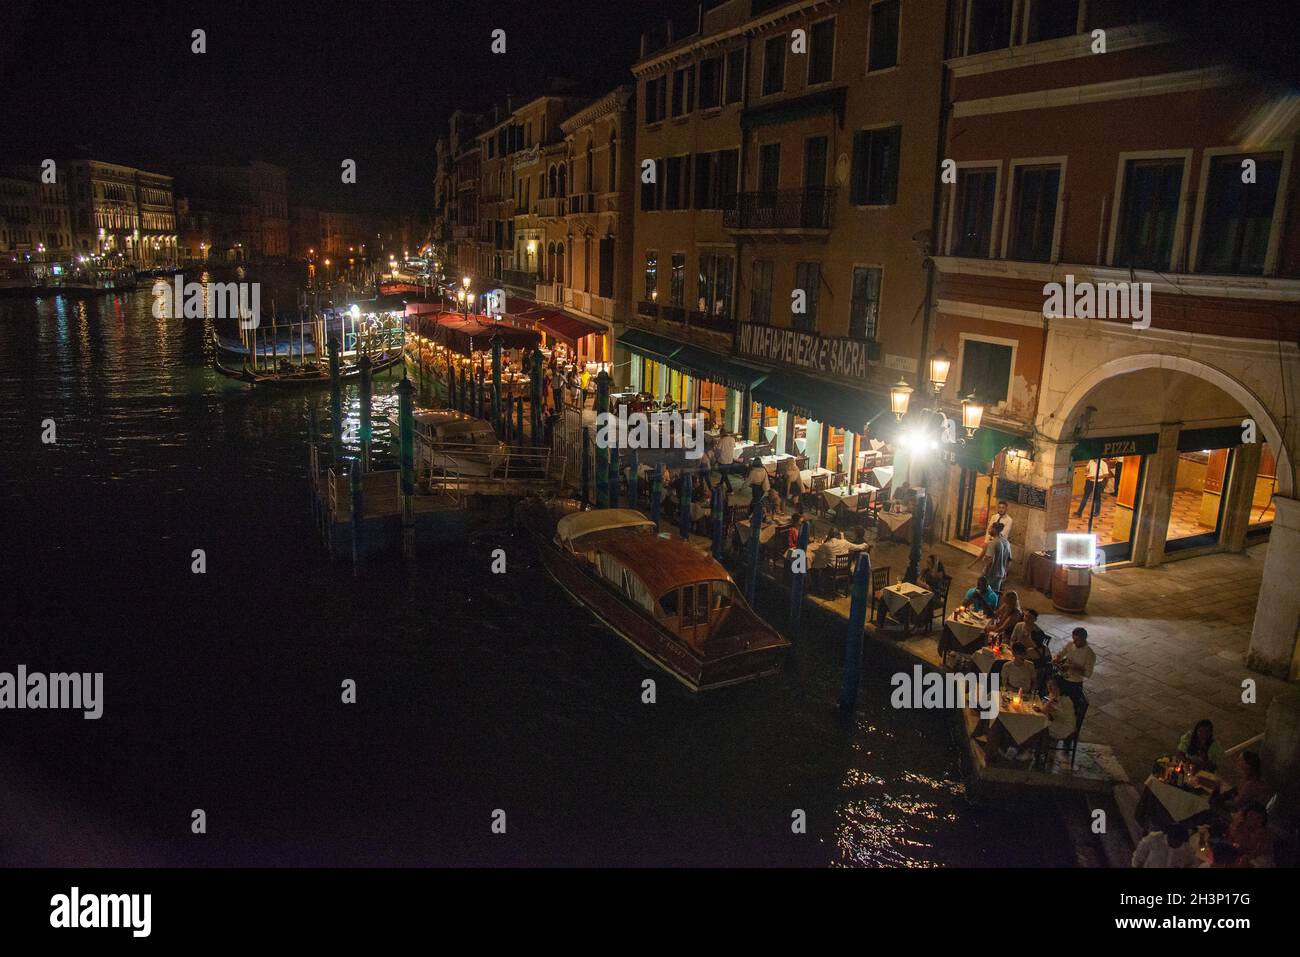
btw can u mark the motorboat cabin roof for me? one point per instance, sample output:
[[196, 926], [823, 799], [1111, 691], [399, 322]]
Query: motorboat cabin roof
[[664, 564], [578, 524]]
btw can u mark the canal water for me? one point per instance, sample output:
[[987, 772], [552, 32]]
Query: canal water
[[475, 692]]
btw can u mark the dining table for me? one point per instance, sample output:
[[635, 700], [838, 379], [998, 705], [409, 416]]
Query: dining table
[[848, 495], [895, 524], [962, 631], [906, 602], [1022, 716], [807, 475], [985, 658], [765, 533], [1179, 801]]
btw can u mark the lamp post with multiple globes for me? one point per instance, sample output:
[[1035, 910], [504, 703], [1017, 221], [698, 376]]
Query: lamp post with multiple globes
[[926, 431]]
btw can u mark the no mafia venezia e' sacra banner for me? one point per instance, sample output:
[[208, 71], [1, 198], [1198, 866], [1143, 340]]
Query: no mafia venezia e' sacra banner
[[806, 350]]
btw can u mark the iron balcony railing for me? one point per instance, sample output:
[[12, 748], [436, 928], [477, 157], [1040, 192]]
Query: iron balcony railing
[[780, 209]]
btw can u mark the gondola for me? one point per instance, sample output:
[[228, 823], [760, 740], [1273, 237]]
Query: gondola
[[306, 377]]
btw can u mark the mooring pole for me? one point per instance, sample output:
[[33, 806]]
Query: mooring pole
[[613, 476], [656, 494], [586, 466], [406, 435], [358, 515], [313, 430], [755, 533], [633, 464], [496, 384], [602, 452], [336, 406], [536, 383], [719, 519], [366, 430], [859, 601], [798, 580], [519, 418], [684, 512]]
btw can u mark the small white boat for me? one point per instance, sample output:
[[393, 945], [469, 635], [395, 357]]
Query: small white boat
[[454, 443]]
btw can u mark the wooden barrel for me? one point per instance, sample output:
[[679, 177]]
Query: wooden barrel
[[1070, 588]]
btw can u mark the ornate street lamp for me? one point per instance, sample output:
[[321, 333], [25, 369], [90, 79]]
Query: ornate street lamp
[[972, 413], [940, 364], [899, 398]]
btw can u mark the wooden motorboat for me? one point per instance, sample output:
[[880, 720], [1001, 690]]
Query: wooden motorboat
[[671, 602], [453, 443]]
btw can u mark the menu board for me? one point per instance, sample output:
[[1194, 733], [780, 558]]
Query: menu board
[[1025, 495]]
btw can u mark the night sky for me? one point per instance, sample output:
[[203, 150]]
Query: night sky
[[307, 85]]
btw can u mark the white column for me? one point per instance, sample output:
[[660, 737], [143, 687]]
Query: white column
[[1277, 614]]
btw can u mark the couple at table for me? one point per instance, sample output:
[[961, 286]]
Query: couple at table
[[1058, 709]]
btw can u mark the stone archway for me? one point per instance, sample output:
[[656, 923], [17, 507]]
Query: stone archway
[[1068, 408]]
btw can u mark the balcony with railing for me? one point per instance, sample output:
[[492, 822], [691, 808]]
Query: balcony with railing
[[519, 279], [795, 210], [590, 303], [582, 203], [552, 207]]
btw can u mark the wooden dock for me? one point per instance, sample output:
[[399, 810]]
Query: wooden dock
[[445, 509]]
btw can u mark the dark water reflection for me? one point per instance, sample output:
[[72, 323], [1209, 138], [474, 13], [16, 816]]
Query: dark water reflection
[[475, 691]]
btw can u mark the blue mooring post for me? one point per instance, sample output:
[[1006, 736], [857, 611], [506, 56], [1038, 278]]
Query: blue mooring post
[[358, 515], [367, 429], [586, 467], [602, 453], [632, 465], [406, 440], [656, 490], [496, 386], [684, 520], [613, 476], [535, 382], [719, 519], [797, 582], [859, 601], [336, 406], [755, 532]]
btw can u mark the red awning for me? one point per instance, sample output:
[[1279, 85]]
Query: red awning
[[469, 335], [555, 322]]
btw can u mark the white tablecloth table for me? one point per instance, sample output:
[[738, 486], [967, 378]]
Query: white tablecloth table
[[1179, 803], [965, 633], [896, 523], [809, 474], [848, 495], [985, 659], [906, 594], [1021, 723], [764, 534]]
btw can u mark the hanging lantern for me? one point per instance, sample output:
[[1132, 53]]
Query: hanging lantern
[[940, 364], [899, 398], [972, 413]]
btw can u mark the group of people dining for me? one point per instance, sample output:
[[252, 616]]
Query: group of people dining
[[1234, 831]]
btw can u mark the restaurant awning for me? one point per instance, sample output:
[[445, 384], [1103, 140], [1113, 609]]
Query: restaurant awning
[[554, 322], [467, 336], [691, 360], [836, 405], [980, 449]]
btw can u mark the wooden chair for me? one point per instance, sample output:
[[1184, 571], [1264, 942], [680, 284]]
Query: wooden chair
[[840, 478], [880, 578], [938, 604], [841, 575], [1069, 743]]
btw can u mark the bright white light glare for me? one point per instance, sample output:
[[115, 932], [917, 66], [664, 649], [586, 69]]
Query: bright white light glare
[[355, 310], [1076, 549]]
